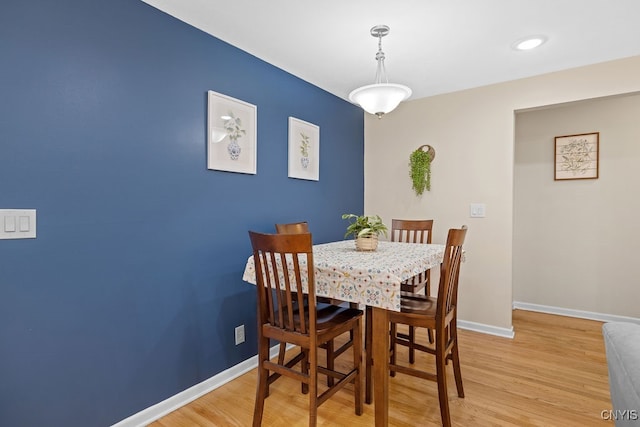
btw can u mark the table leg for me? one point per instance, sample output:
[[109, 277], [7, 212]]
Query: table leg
[[381, 365], [368, 335]]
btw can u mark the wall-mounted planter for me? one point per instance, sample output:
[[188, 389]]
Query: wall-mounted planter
[[420, 168]]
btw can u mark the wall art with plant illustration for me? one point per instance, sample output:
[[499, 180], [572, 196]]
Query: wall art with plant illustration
[[304, 150], [576, 156], [231, 134]]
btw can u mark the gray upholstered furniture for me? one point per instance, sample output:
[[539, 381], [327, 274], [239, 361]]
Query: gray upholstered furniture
[[622, 343]]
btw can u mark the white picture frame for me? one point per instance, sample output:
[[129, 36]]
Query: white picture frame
[[231, 134], [304, 150]]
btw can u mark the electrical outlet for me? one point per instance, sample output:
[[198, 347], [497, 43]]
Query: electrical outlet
[[239, 334]]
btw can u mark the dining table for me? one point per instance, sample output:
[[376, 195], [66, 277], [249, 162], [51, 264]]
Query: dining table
[[372, 279]]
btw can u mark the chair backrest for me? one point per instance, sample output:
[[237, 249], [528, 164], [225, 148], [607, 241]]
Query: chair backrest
[[449, 275], [293, 228], [414, 231], [411, 230], [281, 262]]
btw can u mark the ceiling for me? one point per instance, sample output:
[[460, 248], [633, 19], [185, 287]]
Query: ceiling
[[435, 46]]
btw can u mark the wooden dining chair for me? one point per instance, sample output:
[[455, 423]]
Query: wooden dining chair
[[440, 314], [413, 231], [289, 314], [408, 231], [293, 228], [332, 352]]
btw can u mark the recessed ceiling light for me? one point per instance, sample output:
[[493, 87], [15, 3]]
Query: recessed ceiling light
[[528, 43]]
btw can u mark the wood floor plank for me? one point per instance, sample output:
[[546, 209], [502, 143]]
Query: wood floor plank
[[553, 373]]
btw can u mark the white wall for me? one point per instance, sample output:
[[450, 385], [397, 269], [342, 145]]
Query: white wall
[[473, 134], [584, 232]]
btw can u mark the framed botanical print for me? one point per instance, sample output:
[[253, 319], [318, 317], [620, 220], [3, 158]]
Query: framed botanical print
[[304, 150], [231, 134], [577, 156]]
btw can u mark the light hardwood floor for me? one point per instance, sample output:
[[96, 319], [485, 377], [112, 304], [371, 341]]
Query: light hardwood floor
[[553, 373]]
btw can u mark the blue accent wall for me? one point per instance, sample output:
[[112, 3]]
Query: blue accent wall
[[133, 287]]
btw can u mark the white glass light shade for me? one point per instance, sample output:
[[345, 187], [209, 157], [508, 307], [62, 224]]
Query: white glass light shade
[[380, 98]]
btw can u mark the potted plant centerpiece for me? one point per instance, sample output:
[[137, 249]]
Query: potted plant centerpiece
[[365, 229]]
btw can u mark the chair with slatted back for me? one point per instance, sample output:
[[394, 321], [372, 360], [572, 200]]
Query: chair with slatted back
[[293, 228], [439, 314], [332, 352], [413, 231], [408, 231], [290, 228], [288, 312]]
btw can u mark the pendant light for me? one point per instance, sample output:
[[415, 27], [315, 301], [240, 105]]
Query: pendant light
[[381, 97]]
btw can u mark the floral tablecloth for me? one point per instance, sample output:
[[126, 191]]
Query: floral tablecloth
[[370, 278]]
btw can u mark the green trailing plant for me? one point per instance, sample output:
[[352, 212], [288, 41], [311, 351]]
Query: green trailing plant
[[420, 170], [364, 226]]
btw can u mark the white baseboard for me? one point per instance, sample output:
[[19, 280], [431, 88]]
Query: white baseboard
[[159, 410], [602, 317], [486, 329], [163, 408]]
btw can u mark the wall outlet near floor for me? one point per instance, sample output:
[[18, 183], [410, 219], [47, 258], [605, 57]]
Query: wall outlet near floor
[[239, 334]]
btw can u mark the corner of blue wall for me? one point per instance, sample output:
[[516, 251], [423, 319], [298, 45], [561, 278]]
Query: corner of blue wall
[[133, 287]]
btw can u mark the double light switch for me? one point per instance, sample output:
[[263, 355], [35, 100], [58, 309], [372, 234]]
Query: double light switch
[[477, 210], [17, 223]]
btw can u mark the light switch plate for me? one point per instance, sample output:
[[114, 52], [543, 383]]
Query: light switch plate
[[477, 210], [17, 223]]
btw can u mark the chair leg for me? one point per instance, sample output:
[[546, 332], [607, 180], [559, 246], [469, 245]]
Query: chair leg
[[313, 386], [455, 357], [412, 340], [368, 346], [442, 379], [263, 385], [357, 363], [393, 346], [305, 369], [281, 353], [330, 361]]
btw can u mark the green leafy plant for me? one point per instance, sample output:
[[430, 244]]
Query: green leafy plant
[[420, 170], [304, 145], [233, 126], [364, 226]]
